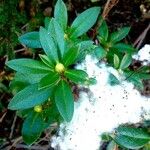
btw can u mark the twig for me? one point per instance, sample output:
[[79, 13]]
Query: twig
[[3, 116], [14, 143], [12, 127], [20, 50], [108, 6], [142, 36]]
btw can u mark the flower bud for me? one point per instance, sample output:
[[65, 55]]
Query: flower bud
[[38, 108], [59, 68]]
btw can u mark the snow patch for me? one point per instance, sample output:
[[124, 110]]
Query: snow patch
[[143, 55], [100, 110]]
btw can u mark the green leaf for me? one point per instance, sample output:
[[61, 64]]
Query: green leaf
[[31, 39], [100, 52], [29, 97], [111, 146], [123, 48], [84, 21], [48, 44], [60, 13], [46, 22], [32, 128], [85, 47], [126, 61], [116, 61], [49, 80], [28, 66], [138, 74], [46, 61], [112, 80], [103, 31], [131, 138], [71, 56], [59, 36], [64, 100], [119, 35], [136, 81], [77, 76]]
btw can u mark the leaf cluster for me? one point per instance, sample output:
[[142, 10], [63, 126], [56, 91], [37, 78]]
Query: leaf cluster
[[45, 85], [119, 55]]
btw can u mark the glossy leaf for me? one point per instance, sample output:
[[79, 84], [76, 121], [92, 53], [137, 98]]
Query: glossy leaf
[[112, 80], [30, 39], [100, 52], [32, 128], [71, 56], [84, 21], [29, 97], [131, 138], [28, 66], [126, 61], [138, 74], [60, 13], [119, 35], [59, 36], [124, 48], [49, 80], [64, 100], [48, 45], [116, 61], [46, 61], [46, 22], [103, 31], [77, 76], [85, 47], [136, 81]]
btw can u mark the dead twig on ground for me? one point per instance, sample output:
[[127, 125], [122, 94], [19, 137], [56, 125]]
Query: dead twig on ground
[[13, 127], [141, 38], [108, 6]]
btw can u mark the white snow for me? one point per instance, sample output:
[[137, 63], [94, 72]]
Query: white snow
[[143, 55], [100, 110]]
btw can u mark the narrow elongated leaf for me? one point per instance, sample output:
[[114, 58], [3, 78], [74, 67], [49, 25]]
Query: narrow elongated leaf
[[136, 81], [48, 44], [29, 97], [28, 78], [28, 66], [59, 36], [124, 48], [126, 61], [138, 74], [64, 100], [103, 31], [32, 128], [30, 39], [131, 138], [46, 61], [116, 61], [71, 56], [77, 76], [84, 21], [119, 35], [49, 80], [60, 13]]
